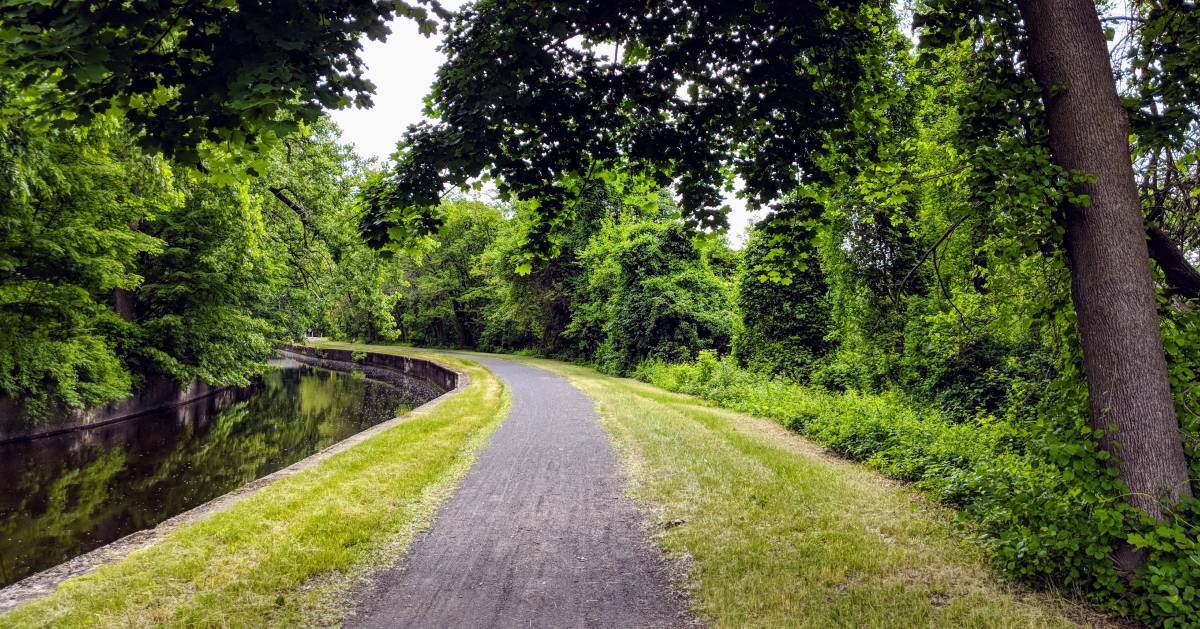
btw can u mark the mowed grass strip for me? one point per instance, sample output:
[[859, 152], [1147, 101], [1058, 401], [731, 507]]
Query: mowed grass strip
[[291, 554], [776, 533]]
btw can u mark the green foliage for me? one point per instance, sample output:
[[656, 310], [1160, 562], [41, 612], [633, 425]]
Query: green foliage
[[200, 310], [628, 281], [763, 115], [116, 269], [1181, 341], [338, 286], [65, 246], [1034, 488], [534, 309], [1170, 583], [652, 295], [220, 71], [785, 318], [445, 286]]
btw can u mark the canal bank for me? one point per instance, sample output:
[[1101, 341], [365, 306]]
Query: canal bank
[[158, 394], [432, 378]]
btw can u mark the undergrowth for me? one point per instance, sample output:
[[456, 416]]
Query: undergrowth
[[1034, 491]]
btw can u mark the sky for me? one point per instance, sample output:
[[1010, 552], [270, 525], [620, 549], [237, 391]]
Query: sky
[[402, 69]]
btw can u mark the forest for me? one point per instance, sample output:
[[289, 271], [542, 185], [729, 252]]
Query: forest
[[976, 270]]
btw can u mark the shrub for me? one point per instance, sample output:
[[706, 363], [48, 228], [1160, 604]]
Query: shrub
[[650, 295], [1035, 491]]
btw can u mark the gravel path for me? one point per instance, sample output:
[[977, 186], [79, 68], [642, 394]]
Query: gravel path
[[539, 534]]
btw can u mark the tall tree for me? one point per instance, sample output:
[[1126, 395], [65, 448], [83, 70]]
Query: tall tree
[[785, 316], [1046, 94], [1128, 390]]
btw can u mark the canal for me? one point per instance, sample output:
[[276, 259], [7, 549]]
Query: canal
[[67, 494]]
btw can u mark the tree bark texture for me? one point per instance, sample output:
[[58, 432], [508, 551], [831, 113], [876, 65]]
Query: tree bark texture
[[1111, 284]]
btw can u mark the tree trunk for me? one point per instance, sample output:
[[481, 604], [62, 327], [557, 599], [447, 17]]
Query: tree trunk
[[124, 304], [1111, 284], [461, 328]]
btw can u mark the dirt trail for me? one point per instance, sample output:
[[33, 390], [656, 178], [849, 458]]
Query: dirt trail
[[539, 534]]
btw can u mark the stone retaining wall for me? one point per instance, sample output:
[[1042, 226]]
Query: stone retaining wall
[[155, 395], [401, 371], [422, 379]]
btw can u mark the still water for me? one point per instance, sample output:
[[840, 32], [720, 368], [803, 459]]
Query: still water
[[64, 495]]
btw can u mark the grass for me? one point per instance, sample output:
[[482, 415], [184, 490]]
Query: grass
[[777, 533], [293, 553]]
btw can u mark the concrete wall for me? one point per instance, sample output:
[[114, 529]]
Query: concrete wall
[[157, 394], [420, 378], [402, 371]]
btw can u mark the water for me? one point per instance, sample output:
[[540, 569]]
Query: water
[[67, 494]]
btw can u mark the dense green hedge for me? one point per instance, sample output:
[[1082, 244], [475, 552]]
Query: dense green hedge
[[1036, 494]]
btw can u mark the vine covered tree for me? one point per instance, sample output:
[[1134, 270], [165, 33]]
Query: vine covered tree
[[1077, 115]]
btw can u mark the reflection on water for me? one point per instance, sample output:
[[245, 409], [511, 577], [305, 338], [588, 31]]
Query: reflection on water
[[67, 494]]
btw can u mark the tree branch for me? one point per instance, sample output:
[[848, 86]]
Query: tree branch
[[295, 206], [945, 173], [962, 319], [1182, 278], [930, 250]]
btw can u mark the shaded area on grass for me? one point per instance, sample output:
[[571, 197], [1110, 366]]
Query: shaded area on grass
[[1032, 486]]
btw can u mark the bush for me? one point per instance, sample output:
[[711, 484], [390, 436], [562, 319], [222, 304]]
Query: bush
[[785, 311], [1035, 492], [48, 375], [650, 295]]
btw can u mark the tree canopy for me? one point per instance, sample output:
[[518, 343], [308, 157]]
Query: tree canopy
[[541, 95], [192, 74]]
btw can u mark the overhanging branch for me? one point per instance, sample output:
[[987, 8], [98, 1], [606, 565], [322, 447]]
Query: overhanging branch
[[1182, 278]]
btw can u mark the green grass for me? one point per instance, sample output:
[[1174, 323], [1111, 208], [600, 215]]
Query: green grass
[[291, 554], [772, 531], [777, 533]]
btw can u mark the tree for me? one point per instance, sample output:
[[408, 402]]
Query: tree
[[792, 97], [1076, 114], [534, 309], [653, 296], [66, 244], [1128, 390], [199, 311], [117, 269], [785, 320], [689, 88], [445, 285], [191, 73], [336, 285]]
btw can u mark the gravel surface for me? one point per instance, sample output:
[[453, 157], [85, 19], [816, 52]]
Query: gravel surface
[[539, 533]]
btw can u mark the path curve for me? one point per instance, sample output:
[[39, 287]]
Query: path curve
[[539, 533]]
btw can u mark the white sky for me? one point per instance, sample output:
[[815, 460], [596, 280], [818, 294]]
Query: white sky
[[402, 69]]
